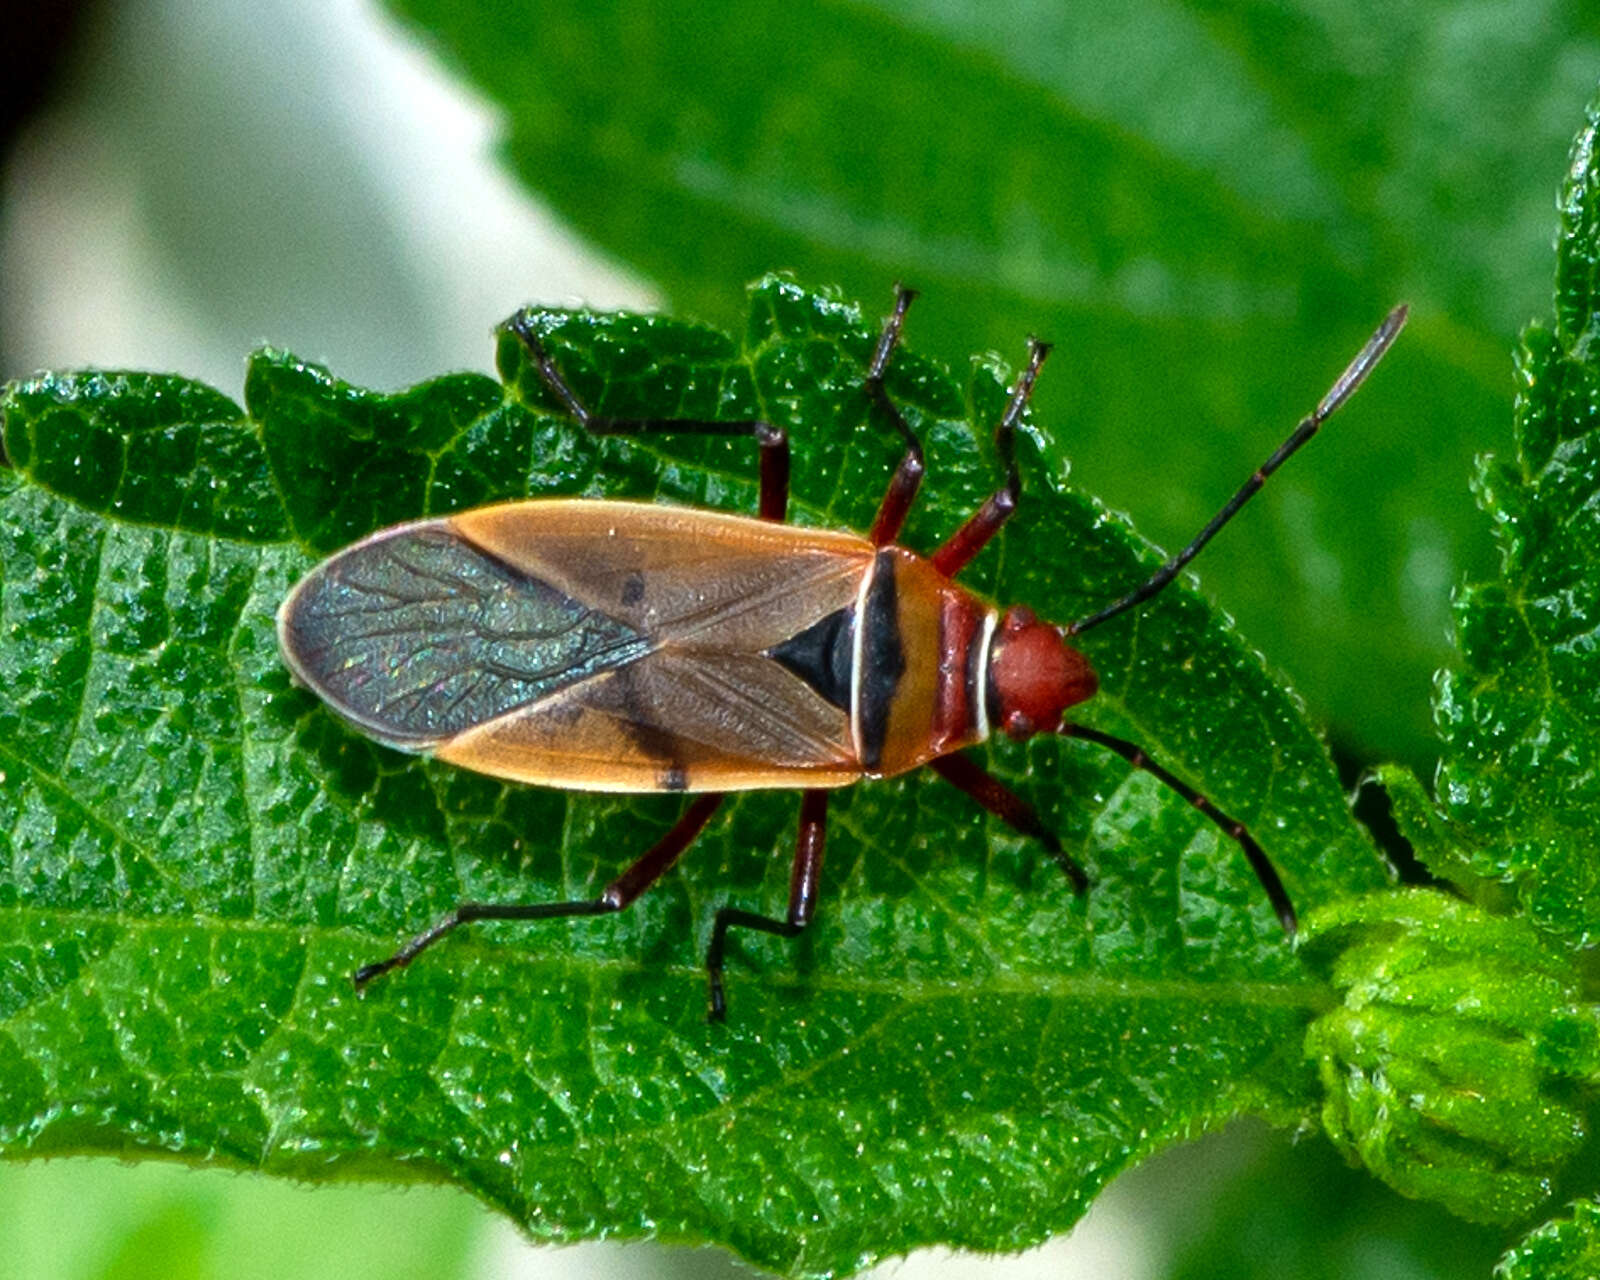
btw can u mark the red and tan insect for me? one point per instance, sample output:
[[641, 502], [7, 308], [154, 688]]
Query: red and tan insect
[[622, 646]]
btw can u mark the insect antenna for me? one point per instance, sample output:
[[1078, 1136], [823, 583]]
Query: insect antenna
[[1343, 388]]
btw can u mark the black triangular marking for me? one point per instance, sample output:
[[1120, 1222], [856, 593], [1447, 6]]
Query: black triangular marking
[[820, 655]]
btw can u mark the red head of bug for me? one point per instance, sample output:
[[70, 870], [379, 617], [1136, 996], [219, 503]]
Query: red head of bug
[[1035, 675]]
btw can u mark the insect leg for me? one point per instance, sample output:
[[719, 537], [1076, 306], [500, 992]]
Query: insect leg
[[985, 522], [617, 895], [1266, 873], [907, 478], [803, 881], [773, 441], [1010, 808]]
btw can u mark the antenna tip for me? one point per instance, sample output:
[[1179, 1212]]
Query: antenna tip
[[1379, 343]]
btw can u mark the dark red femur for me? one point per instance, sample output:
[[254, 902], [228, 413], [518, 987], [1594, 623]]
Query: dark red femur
[[1034, 675]]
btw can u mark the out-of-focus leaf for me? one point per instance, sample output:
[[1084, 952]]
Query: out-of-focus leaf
[[1296, 1209], [71, 1219], [1206, 206]]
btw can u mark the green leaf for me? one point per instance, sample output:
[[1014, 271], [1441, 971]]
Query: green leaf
[[1452, 1068], [1296, 1209], [1206, 206], [1562, 1249], [1460, 1064], [197, 853], [1519, 786], [71, 1219]]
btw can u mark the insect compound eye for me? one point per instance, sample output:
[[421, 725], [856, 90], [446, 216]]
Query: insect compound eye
[[1019, 725], [1034, 676]]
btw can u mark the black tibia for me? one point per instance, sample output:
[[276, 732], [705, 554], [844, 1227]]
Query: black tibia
[[1266, 873], [773, 440], [803, 881], [985, 522], [618, 894], [1010, 808], [907, 478]]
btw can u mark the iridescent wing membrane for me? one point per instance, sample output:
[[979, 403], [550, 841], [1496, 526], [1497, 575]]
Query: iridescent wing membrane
[[597, 645]]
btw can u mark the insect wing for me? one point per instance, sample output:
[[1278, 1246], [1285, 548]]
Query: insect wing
[[588, 644], [415, 635], [706, 708], [716, 582], [670, 721]]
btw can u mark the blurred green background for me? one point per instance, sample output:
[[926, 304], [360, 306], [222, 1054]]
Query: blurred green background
[[1205, 206]]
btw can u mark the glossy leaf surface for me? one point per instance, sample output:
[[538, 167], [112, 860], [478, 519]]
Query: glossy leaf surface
[[1566, 1248], [1520, 782], [198, 854]]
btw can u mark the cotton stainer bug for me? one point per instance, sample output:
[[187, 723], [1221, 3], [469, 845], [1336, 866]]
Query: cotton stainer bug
[[620, 646]]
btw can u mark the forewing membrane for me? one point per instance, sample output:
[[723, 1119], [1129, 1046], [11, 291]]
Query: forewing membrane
[[603, 645], [416, 635]]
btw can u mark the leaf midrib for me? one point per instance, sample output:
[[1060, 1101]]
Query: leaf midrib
[[1307, 993]]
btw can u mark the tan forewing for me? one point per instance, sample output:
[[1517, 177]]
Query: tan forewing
[[675, 719], [728, 584], [704, 709]]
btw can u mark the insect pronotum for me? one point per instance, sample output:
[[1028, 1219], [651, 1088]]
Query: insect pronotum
[[620, 646]]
